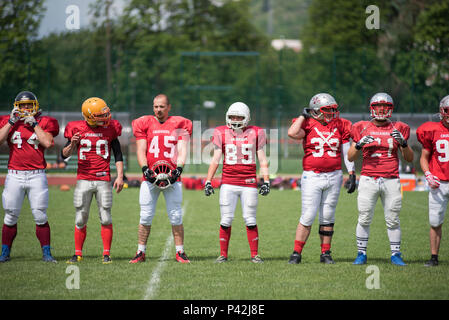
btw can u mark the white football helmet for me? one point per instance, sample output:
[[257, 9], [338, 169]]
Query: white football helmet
[[323, 106], [444, 109], [162, 169], [381, 106], [241, 110]]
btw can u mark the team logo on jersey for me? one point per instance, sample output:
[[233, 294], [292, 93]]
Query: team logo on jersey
[[250, 181]]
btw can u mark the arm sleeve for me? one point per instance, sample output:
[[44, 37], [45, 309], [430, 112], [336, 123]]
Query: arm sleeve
[[350, 165], [117, 150]]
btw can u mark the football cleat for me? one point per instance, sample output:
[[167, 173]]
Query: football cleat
[[5, 253], [295, 258], [326, 258], [140, 257], [46, 255], [361, 258], [74, 259], [221, 259], [107, 259], [431, 263], [182, 257], [256, 259], [397, 259]]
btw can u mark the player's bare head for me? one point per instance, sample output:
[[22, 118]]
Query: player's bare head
[[238, 116], [27, 104], [161, 107], [323, 107], [381, 106], [444, 110]]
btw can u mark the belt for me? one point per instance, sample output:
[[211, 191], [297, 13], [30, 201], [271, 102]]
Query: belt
[[26, 171]]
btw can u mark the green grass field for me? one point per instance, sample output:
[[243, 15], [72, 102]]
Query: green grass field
[[160, 277]]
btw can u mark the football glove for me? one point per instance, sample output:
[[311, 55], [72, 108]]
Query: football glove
[[175, 174], [265, 188], [433, 181], [351, 183], [365, 140], [14, 116], [208, 189], [148, 174], [397, 135], [305, 113], [31, 121]]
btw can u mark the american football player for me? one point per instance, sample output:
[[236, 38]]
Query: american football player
[[93, 139], [325, 138], [162, 141], [28, 134], [434, 137], [239, 144], [379, 141]]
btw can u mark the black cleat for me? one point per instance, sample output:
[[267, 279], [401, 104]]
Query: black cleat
[[295, 258], [106, 259], [431, 263], [326, 258]]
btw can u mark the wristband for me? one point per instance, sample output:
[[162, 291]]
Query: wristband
[[404, 145], [358, 146], [11, 123], [34, 124]]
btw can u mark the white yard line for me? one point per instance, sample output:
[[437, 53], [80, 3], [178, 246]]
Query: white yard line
[[153, 284]]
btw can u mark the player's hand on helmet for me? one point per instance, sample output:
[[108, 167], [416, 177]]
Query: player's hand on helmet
[[397, 135], [14, 116], [364, 141], [305, 113], [265, 188], [433, 181], [175, 174], [208, 189], [30, 120], [351, 183], [148, 174]]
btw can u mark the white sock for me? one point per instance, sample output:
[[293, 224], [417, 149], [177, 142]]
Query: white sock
[[394, 235], [362, 235], [141, 247], [180, 248]]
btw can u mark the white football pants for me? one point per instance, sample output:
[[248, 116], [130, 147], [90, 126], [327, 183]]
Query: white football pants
[[320, 193], [82, 199], [148, 199], [32, 183], [389, 191], [229, 195], [438, 201]]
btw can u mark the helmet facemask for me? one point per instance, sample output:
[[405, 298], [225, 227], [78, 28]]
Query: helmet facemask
[[326, 113], [238, 109], [381, 111], [444, 114], [162, 169]]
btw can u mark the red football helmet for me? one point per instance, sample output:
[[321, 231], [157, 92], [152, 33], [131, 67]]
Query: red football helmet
[[162, 169]]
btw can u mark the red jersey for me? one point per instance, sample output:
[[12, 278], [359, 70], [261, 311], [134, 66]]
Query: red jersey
[[162, 138], [94, 149], [25, 152], [239, 154], [380, 158], [322, 144], [434, 137]]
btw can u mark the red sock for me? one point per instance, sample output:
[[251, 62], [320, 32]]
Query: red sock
[[253, 240], [8, 234], [43, 234], [225, 235], [299, 245], [325, 247], [80, 236], [106, 235]]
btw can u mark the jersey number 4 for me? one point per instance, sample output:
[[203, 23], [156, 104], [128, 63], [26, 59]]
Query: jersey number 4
[[168, 144]]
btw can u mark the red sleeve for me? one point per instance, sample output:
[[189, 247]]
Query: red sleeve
[[117, 128], [3, 121], [355, 131], [405, 130], [346, 130], [261, 138], [186, 132], [424, 136], [50, 125], [217, 138], [139, 128]]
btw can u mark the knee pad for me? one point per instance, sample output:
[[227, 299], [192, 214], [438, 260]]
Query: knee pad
[[146, 215], [11, 217], [175, 217], [40, 216], [250, 220], [105, 216], [328, 233]]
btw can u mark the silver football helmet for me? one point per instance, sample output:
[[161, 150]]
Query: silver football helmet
[[323, 106], [241, 110], [381, 106], [444, 109]]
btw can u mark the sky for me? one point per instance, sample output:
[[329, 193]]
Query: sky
[[55, 16]]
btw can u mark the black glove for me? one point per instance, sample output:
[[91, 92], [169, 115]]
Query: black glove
[[148, 174], [265, 188], [208, 189], [175, 174], [305, 113], [351, 183]]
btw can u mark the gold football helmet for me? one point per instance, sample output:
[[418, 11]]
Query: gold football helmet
[[29, 99], [96, 112]]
